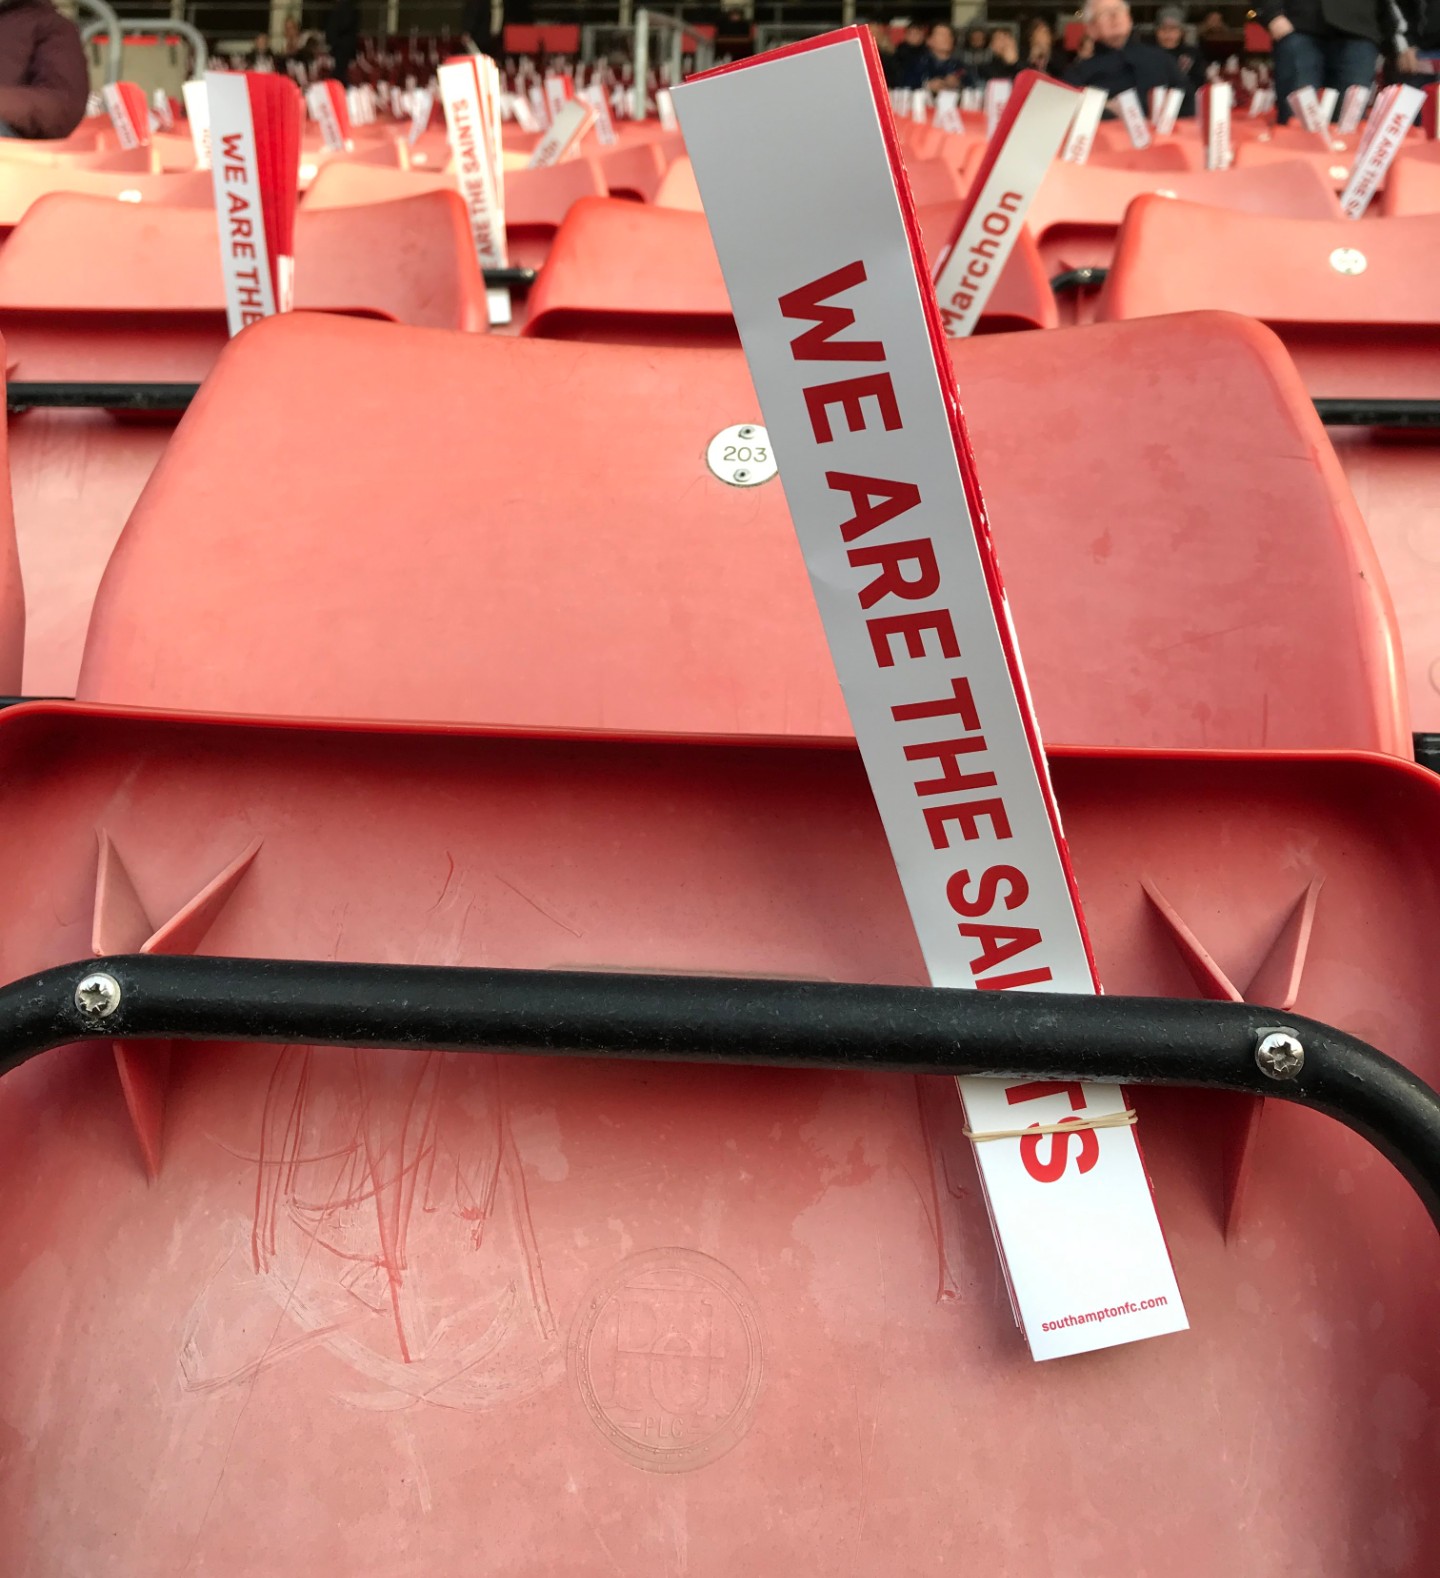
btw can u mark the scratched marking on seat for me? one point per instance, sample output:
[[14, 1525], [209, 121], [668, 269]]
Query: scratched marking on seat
[[390, 1227], [665, 1354]]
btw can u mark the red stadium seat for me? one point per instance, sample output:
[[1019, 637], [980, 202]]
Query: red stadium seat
[[1114, 150], [155, 313], [633, 170], [623, 273], [1079, 208], [142, 161], [413, 263], [1413, 187], [678, 188], [536, 201], [1332, 165], [24, 184], [1357, 307], [1315, 282], [1022, 298], [934, 181], [1174, 605]]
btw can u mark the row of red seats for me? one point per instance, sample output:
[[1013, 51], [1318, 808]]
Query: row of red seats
[[578, 712]]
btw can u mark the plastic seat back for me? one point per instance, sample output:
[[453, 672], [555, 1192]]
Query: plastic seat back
[[625, 273], [1114, 150], [619, 271], [1413, 187], [534, 199], [678, 188], [1331, 164], [633, 170], [22, 185], [342, 183], [1314, 281], [613, 581], [1080, 207], [412, 260], [1022, 298], [934, 181]]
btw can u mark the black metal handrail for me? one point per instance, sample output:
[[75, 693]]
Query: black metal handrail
[[81, 396], [709, 1019], [1379, 413]]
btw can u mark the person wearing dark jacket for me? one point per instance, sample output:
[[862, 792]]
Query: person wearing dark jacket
[[1004, 56], [1041, 51], [1122, 61], [1170, 36], [939, 67], [908, 52], [1333, 43], [44, 81], [342, 34]]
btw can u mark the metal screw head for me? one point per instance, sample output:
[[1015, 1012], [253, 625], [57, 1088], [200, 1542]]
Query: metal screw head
[[740, 474], [1348, 260], [1279, 1055], [745, 432], [98, 996]]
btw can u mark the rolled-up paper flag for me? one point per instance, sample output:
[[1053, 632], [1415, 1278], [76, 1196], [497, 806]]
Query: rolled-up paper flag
[[256, 121]]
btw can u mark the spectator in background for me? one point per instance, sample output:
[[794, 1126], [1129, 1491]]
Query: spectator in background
[[1004, 55], [939, 67], [1170, 36], [1332, 44], [343, 37], [44, 81], [976, 54], [735, 37], [880, 32], [1212, 25], [1120, 60], [908, 51], [260, 58], [1040, 50]]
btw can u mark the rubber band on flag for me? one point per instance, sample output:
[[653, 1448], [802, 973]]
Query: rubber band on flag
[[1106, 1120]]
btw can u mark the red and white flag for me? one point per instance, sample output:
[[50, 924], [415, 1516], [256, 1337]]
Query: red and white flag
[[947, 110], [1393, 116], [1165, 109], [837, 315], [1305, 106], [1017, 159], [1082, 129], [422, 102], [605, 134], [567, 131], [197, 118], [1216, 100], [326, 102], [1352, 108], [129, 114], [470, 92], [997, 96], [1127, 106], [256, 119], [538, 109], [164, 110], [558, 92]]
